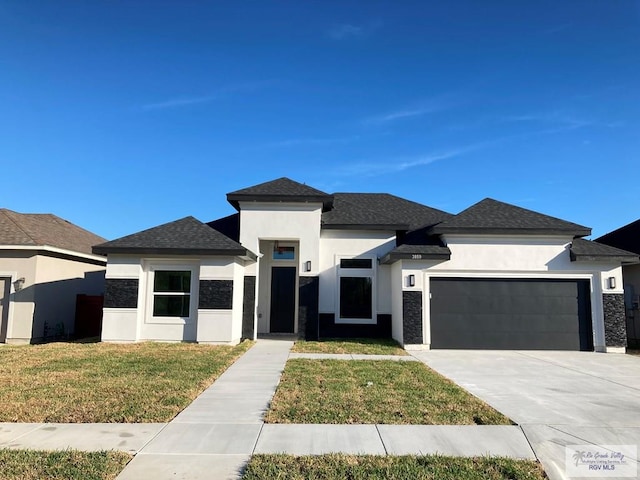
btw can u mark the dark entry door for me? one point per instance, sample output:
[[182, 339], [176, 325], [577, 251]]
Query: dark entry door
[[518, 314], [283, 299]]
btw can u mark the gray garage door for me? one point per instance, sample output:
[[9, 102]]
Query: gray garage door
[[510, 314]]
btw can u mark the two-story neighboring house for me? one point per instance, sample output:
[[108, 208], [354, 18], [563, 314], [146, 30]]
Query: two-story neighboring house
[[296, 260]]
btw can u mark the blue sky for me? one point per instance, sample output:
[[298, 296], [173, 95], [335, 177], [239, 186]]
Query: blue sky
[[122, 115]]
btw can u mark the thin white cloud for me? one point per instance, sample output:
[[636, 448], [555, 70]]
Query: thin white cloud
[[561, 120], [345, 30], [179, 102], [405, 163], [394, 165], [223, 92], [294, 142], [398, 115], [556, 29], [433, 105]]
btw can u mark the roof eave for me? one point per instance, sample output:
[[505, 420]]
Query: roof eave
[[236, 252], [235, 198], [62, 251], [622, 259], [443, 230]]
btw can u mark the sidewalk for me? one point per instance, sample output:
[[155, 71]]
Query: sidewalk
[[215, 436]]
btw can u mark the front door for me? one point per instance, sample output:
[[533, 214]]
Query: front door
[[5, 291], [283, 299]]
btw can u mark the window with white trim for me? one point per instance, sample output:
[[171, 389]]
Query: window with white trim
[[171, 293], [356, 287]]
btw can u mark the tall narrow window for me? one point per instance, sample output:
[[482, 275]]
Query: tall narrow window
[[355, 290], [171, 293]]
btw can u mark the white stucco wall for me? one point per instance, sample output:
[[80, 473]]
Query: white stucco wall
[[282, 221], [203, 325], [524, 257], [354, 243], [122, 324]]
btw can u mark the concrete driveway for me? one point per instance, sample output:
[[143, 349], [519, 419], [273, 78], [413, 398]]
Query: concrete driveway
[[558, 398]]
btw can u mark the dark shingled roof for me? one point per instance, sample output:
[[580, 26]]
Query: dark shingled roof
[[348, 214], [379, 211], [626, 238], [280, 190], [185, 236], [493, 217], [417, 252], [587, 250], [44, 229]]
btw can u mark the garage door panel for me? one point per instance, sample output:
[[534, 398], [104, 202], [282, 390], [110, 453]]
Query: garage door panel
[[516, 341], [510, 314]]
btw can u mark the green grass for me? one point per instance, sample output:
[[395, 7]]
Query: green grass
[[367, 346], [63, 465], [340, 467], [370, 391], [91, 383]]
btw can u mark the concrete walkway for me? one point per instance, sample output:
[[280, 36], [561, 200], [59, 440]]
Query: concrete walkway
[[352, 356], [126, 437], [215, 436]]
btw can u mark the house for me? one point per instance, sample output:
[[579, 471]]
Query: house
[[45, 262], [628, 238], [296, 260]]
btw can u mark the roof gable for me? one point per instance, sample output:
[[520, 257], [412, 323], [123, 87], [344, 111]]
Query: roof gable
[[185, 236], [44, 229], [626, 238], [490, 216], [280, 190]]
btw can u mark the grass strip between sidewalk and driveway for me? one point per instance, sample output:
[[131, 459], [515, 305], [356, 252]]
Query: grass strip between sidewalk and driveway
[[61, 465], [365, 346], [363, 467], [110, 383], [374, 391]]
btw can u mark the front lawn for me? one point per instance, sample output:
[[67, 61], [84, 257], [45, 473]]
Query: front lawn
[[368, 346], [101, 382], [374, 391], [63, 465], [340, 467]]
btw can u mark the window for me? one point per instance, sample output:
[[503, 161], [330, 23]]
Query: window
[[356, 297], [283, 253], [355, 290], [355, 263], [171, 293]]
